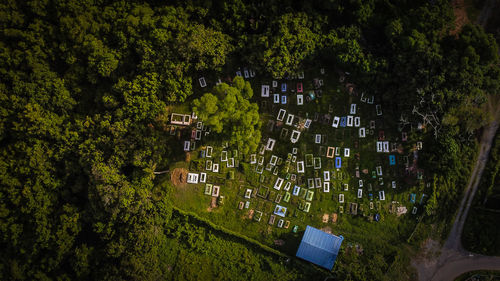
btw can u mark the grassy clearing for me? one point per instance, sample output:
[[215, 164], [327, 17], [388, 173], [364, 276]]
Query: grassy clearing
[[360, 231]]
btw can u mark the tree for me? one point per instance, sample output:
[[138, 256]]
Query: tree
[[230, 114]]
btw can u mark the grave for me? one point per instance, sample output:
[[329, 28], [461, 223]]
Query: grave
[[265, 91]]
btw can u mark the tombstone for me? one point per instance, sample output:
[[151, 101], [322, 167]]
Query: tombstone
[[281, 115], [317, 182], [326, 175], [284, 133], [379, 109], [276, 98], [347, 152], [300, 99], [326, 186], [265, 91], [300, 167], [317, 139], [295, 136], [278, 183], [330, 152], [381, 195], [307, 124], [246, 74], [283, 99], [215, 191], [202, 81], [357, 121], [343, 121], [275, 84], [270, 144], [289, 119], [350, 120], [353, 109], [386, 146], [310, 183], [336, 121], [253, 158], [362, 132], [238, 73]]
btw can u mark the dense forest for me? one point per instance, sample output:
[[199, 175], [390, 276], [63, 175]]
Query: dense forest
[[84, 86]]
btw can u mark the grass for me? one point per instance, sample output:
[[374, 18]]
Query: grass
[[359, 231]]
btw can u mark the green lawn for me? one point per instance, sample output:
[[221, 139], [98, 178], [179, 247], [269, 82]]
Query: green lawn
[[358, 230]]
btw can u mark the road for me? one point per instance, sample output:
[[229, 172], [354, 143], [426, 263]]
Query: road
[[454, 260]]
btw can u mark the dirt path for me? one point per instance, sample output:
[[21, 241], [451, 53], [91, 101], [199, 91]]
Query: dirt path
[[453, 259]]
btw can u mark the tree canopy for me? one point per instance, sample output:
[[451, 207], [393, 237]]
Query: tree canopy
[[230, 114], [85, 84]]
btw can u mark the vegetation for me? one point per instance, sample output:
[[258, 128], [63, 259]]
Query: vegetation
[[480, 229], [86, 89], [229, 113]]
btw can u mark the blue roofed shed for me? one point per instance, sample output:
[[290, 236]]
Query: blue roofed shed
[[319, 247]]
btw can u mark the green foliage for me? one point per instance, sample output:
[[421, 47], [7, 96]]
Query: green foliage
[[230, 114], [287, 43], [85, 85]]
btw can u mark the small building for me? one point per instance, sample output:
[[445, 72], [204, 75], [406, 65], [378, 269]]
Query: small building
[[319, 247], [180, 119]]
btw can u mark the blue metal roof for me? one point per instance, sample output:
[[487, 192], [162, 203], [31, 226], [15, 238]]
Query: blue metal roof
[[319, 247]]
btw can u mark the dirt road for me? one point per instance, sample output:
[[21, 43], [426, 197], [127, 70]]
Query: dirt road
[[453, 259]]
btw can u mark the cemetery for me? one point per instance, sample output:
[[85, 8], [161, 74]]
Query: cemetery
[[313, 148]]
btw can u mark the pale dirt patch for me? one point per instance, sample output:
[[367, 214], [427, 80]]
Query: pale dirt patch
[[327, 229], [178, 177], [325, 218], [459, 9], [213, 204]]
